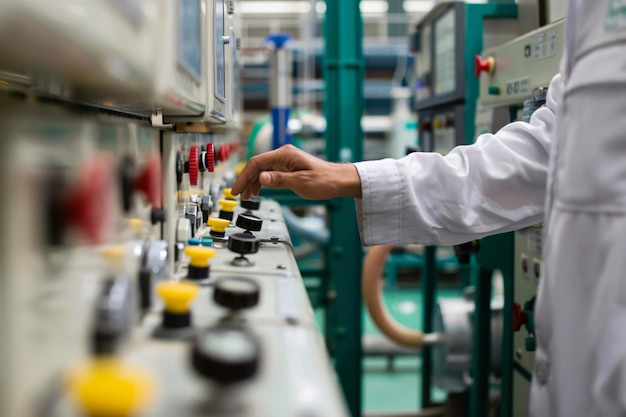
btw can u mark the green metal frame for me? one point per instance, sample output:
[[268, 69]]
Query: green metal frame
[[344, 70]]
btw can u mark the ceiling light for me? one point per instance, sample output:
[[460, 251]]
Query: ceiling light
[[373, 6], [418, 6]]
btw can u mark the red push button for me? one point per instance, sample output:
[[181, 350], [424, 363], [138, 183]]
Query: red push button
[[223, 153], [520, 317], [88, 204], [149, 181], [487, 65]]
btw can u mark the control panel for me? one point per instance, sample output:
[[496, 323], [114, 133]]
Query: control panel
[[528, 270], [511, 72], [82, 193], [446, 88], [514, 79]]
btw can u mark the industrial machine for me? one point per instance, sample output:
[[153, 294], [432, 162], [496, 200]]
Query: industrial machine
[[445, 42], [132, 281], [515, 79]]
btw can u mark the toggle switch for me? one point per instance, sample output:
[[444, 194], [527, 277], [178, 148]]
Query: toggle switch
[[199, 261]]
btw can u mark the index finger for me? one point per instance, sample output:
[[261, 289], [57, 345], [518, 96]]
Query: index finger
[[254, 167]]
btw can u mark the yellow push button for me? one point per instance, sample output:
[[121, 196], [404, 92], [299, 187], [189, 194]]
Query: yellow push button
[[228, 193], [136, 225], [227, 205], [113, 255], [199, 265], [177, 295], [226, 209], [199, 255], [218, 226], [106, 387], [239, 168]]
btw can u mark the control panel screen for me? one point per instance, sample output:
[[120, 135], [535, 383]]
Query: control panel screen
[[445, 66], [220, 55], [190, 38]]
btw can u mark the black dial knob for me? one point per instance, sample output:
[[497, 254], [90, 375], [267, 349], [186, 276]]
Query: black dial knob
[[252, 204], [236, 293], [226, 354], [243, 243], [249, 222]]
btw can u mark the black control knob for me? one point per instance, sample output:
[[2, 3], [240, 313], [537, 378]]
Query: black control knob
[[253, 204], [236, 293], [157, 216], [180, 169], [226, 354], [249, 222], [243, 243]]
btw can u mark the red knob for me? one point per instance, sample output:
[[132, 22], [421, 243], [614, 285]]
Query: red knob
[[520, 317], [89, 202], [193, 165], [149, 181], [210, 157], [424, 126], [488, 65], [222, 153]]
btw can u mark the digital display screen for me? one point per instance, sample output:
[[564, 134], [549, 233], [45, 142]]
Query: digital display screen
[[190, 38], [445, 64], [220, 55]]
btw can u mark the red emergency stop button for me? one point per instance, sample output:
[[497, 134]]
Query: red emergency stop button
[[520, 317], [223, 152], [484, 65], [88, 205], [149, 181]]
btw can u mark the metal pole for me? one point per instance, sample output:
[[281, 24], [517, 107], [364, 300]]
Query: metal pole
[[343, 75]]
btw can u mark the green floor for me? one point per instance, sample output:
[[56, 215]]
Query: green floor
[[397, 390]]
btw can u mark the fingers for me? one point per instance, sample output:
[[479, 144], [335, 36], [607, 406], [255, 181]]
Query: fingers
[[278, 179]]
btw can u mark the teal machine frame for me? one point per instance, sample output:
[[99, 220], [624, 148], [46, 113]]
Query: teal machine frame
[[496, 253]]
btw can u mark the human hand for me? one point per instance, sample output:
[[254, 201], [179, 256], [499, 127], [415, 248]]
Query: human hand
[[309, 177]]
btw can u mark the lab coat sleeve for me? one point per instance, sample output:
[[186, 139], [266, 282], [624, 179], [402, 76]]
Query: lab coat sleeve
[[496, 185]]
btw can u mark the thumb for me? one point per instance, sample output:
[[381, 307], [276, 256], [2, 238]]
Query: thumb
[[278, 179]]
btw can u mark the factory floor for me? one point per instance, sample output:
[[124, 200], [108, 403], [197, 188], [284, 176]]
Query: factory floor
[[396, 389]]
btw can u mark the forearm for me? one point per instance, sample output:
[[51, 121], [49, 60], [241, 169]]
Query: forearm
[[493, 186]]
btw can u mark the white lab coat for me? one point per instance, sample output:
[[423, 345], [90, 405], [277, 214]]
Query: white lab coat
[[519, 177]]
